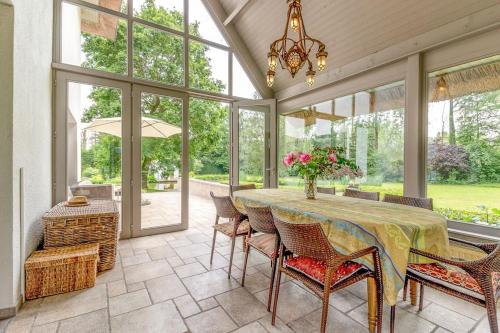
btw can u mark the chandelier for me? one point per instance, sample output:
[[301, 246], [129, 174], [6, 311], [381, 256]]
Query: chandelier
[[293, 54]]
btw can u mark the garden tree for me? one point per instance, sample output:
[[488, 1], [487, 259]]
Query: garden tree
[[449, 161], [158, 56]]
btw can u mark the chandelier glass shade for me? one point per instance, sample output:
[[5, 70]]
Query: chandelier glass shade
[[291, 53]]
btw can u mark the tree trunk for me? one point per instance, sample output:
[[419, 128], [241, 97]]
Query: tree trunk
[[452, 134], [145, 172]]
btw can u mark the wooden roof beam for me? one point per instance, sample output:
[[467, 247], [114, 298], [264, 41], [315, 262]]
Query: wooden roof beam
[[236, 11]]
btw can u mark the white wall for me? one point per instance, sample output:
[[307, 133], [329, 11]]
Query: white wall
[[6, 87], [31, 114]]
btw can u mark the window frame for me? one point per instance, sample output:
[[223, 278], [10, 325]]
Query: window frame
[[129, 76]]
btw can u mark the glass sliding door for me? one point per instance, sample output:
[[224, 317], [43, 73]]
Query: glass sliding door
[[159, 161], [254, 143], [92, 141]]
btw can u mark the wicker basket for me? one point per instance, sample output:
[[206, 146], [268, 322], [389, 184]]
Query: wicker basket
[[95, 223], [61, 270]]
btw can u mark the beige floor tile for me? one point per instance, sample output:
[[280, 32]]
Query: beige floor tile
[[47, 328], [135, 286], [254, 327], [208, 303], [448, 319], [345, 301], [217, 262], [405, 321], [161, 252], [179, 242], [209, 284], [336, 322], [94, 322], [114, 274], [116, 288], [198, 238], [165, 288], [191, 251], [20, 325], [175, 261], [189, 270], [278, 327], [73, 304], [161, 317], [189, 260], [137, 259], [294, 302], [147, 242], [256, 282], [468, 309], [128, 302], [147, 271], [186, 306], [242, 306], [211, 321]]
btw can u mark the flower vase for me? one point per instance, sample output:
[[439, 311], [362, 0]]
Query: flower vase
[[310, 187]]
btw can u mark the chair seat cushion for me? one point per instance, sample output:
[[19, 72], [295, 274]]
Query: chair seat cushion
[[315, 269], [265, 243], [452, 278], [228, 228]]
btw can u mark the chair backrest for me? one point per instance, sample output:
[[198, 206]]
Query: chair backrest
[[93, 191], [361, 194], [409, 201], [225, 207], [261, 219], [234, 188], [326, 190], [306, 240]]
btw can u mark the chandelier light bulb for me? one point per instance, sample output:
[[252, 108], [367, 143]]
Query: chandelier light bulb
[[270, 78], [272, 58], [310, 77], [294, 22], [321, 56]]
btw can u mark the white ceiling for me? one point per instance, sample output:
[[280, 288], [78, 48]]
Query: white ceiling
[[351, 29]]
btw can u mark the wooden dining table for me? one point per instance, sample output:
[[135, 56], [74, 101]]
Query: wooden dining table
[[353, 224]]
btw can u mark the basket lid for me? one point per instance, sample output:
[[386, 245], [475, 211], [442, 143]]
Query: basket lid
[[95, 207], [62, 255]]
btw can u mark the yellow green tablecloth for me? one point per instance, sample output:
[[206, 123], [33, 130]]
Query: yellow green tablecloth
[[353, 224]]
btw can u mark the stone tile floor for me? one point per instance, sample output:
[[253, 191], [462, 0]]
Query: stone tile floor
[[164, 283]]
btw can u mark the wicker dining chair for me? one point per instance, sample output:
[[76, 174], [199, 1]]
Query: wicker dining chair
[[234, 188], [237, 226], [361, 194], [475, 281], [326, 190], [409, 201], [320, 267], [267, 243], [425, 203]]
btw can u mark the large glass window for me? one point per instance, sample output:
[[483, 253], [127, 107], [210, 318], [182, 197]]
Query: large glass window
[[208, 140], [93, 39], [368, 124], [463, 144], [98, 39]]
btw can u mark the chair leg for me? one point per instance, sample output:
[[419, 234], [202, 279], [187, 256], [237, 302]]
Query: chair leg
[[324, 312], [247, 252], [231, 258], [274, 263], [491, 309], [380, 304], [421, 300], [213, 247], [393, 318], [405, 289], [276, 295]]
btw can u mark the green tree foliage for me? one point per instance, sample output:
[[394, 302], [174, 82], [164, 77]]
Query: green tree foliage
[[157, 56]]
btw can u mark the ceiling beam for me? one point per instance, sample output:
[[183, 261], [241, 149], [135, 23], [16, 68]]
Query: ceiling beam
[[240, 49], [236, 11]]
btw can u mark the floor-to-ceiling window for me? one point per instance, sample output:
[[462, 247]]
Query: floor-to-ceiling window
[[368, 124], [180, 74], [463, 141]]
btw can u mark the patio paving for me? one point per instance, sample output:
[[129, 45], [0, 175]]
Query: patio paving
[[164, 283]]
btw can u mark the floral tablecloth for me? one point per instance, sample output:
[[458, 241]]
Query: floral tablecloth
[[353, 224]]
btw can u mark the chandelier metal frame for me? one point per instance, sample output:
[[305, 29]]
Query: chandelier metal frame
[[293, 54]]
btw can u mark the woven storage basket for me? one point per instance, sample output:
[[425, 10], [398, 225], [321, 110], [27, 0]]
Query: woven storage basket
[[95, 223], [61, 270]]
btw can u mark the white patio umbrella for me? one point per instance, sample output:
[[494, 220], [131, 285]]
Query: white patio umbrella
[[153, 128]]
